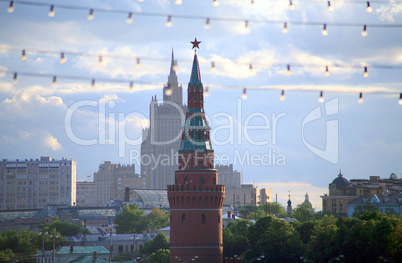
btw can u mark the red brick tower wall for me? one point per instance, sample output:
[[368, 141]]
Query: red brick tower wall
[[196, 199]]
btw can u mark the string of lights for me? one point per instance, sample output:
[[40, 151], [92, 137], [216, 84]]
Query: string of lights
[[213, 64], [169, 18], [130, 84]]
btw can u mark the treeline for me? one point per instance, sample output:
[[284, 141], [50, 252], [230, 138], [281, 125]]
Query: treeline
[[369, 237]]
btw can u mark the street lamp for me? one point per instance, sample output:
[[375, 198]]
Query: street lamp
[[251, 260], [337, 258], [54, 246], [135, 238], [43, 245], [306, 260]]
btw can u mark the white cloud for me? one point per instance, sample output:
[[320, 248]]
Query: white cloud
[[52, 143], [389, 11]]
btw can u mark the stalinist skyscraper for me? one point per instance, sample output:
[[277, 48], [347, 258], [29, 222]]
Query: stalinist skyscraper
[[195, 198], [162, 138]]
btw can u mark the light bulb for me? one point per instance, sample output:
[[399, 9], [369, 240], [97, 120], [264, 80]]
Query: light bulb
[[244, 95], [215, 3], [206, 93], [15, 78], [169, 21], [327, 71], [364, 32], [54, 82], [175, 65], [288, 72], [324, 30], [11, 7], [91, 14], [138, 64], [168, 91], [283, 96], [369, 9], [62, 58], [24, 55], [131, 84], [246, 27], [252, 3], [213, 68], [365, 74], [291, 6], [250, 67], [285, 27], [129, 18], [207, 24], [321, 98], [51, 11], [178, 2], [93, 83], [140, 0], [360, 100], [330, 8], [100, 60], [400, 99]]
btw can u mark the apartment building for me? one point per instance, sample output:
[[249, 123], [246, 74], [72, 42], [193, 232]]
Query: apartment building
[[86, 193], [36, 183]]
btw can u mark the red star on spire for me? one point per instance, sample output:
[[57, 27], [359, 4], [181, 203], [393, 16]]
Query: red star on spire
[[195, 43]]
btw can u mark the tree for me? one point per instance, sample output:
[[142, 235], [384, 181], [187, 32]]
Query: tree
[[160, 256], [361, 209], [63, 228], [130, 220], [247, 211], [17, 245], [157, 219], [270, 209], [303, 213], [159, 242], [235, 237]]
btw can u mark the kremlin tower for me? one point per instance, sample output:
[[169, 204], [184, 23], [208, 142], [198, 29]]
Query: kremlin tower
[[196, 199]]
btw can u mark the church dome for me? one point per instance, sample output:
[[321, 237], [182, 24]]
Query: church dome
[[340, 181]]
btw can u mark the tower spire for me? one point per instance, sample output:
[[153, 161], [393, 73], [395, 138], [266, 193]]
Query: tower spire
[[172, 92]]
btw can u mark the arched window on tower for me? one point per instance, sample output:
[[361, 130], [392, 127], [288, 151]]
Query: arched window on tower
[[202, 180], [203, 219], [183, 218], [186, 179]]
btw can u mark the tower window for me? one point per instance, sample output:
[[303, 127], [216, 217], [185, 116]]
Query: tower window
[[203, 218], [183, 218]]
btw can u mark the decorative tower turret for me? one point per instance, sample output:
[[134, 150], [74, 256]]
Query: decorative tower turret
[[196, 199], [289, 208]]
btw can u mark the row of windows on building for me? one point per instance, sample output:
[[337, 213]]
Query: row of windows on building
[[203, 218]]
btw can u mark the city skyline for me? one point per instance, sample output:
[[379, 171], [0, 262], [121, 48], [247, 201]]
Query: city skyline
[[34, 112]]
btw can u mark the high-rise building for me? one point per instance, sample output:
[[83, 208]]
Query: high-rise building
[[162, 139], [36, 183], [227, 176], [86, 193], [247, 194], [195, 198], [111, 179]]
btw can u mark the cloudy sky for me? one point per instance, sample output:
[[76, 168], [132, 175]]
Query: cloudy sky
[[296, 145]]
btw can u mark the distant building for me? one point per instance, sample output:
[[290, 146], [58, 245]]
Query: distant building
[[307, 203], [145, 199], [36, 183], [86, 194], [161, 140], [247, 194], [110, 179], [228, 177], [342, 191], [391, 205], [74, 253]]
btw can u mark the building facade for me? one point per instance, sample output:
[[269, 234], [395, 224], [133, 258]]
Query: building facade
[[36, 183], [195, 198], [247, 194], [86, 194], [161, 140], [111, 179], [227, 176], [342, 191]]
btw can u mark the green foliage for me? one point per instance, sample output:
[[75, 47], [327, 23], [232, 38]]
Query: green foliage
[[130, 220], [235, 237], [159, 242], [361, 209], [160, 256], [303, 213], [62, 228], [158, 219], [269, 209], [17, 245]]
